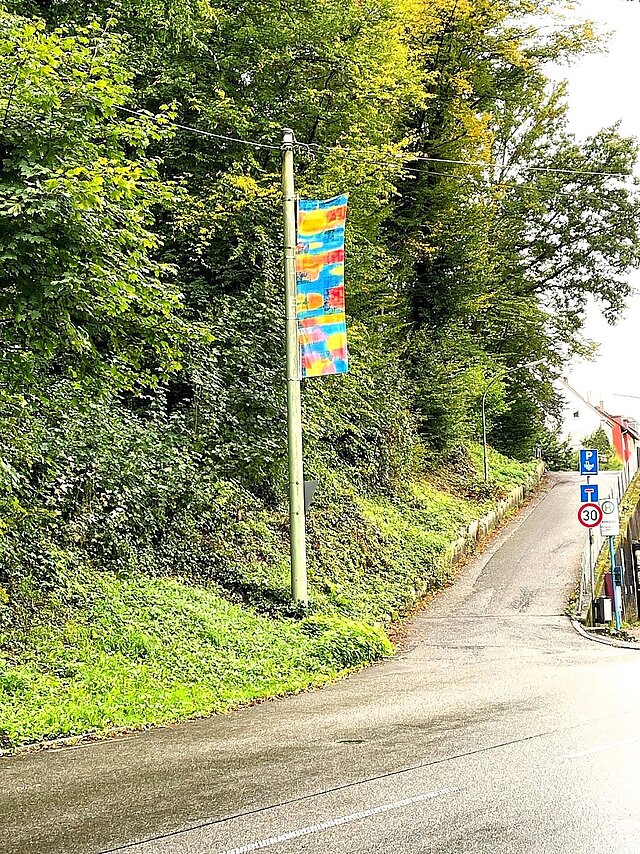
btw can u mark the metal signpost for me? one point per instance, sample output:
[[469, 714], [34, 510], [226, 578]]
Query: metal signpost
[[590, 514], [610, 527], [323, 355], [605, 514], [294, 407]]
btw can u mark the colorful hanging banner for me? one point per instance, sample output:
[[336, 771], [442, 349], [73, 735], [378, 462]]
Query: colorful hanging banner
[[322, 325]]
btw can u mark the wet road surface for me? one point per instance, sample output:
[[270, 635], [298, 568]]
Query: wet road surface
[[497, 729]]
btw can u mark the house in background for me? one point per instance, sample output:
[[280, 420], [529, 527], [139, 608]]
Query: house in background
[[626, 438], [580, 418]]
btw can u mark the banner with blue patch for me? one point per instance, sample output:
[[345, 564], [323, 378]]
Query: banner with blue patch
[[322, 325]]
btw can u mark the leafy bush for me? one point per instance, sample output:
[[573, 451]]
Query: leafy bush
[[557, 453], [363, 421], [126, 490], [82, 292], [345, 643]]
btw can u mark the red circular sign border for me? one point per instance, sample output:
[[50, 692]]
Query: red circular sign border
[[590, 504]]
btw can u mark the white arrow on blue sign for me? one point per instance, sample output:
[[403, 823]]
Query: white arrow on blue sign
[[589, 493], [588, 461]]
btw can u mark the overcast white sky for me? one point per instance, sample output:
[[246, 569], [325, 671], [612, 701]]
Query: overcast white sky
[[602, 90]]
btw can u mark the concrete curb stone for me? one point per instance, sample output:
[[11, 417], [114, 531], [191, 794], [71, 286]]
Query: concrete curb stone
[[478, 531], [598, 639]]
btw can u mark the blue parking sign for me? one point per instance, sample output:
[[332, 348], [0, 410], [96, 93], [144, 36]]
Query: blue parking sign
[[589, 493], [588, 461]]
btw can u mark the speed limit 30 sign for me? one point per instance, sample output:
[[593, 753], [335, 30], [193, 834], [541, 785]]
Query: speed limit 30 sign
[[590, 515]]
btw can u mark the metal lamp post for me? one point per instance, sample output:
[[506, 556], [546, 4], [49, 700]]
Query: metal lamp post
[[503, 373]]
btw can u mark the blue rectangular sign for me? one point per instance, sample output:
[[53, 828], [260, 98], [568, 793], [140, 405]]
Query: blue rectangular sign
[[588, 461], [589, 494]]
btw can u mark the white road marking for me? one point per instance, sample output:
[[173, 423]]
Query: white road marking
[[336, 822], [610, 746]]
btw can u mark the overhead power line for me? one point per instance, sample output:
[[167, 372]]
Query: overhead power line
[[145, 115], [407, 157], [410, 156], [522, 167], [470, 181]]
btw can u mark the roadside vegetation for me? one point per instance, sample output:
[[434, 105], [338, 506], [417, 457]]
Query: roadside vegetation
[[109, 650], [628, 506], [142, 393]]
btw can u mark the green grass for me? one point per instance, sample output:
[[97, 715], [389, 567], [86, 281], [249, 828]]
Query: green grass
[[419, 528], [158, 650], [504, 472], [110, 652]]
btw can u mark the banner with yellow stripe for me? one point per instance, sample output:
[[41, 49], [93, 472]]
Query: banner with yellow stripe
[[322, 327]]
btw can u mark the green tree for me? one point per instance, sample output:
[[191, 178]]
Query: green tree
[[556, 452], [82, 290], [508, 254]]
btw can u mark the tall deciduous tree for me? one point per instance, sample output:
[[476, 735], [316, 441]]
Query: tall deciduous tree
[[82, 292], [507, 255]]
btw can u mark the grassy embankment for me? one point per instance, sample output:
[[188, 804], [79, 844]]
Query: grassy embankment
[[110, 652]]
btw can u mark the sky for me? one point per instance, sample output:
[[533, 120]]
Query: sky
[[603, 89]]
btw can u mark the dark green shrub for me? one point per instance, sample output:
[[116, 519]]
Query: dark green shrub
[[344, 643]]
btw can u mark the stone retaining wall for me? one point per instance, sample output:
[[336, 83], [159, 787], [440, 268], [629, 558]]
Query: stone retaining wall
[[471, 536]]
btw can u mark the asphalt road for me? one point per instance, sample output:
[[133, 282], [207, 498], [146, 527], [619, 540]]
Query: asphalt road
[[498, 729]]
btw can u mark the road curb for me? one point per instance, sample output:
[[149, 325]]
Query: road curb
[[473, 536], [603, 640]]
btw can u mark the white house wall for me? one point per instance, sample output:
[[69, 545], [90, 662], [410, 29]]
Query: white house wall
[[580, 420]]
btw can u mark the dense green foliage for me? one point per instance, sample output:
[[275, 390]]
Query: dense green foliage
[[142, 416], [117, 648], [82, 289], [558, 454]]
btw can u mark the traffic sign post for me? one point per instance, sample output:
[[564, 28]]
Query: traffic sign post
[[589, 493], [592, 574], [616, 604], [590, 515], [610, 527], [588, 461]]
